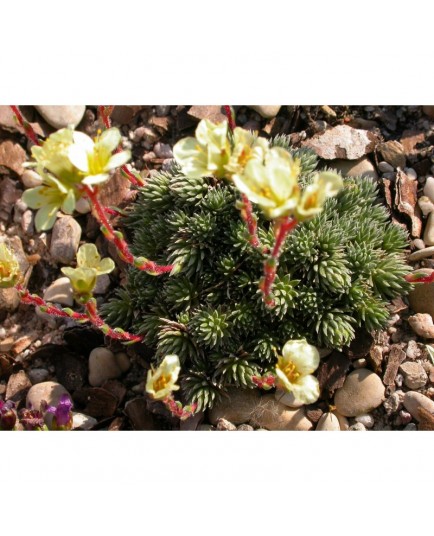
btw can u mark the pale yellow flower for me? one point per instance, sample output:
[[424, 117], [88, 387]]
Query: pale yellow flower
[[52, 156], [205, 154], [89, 266], [161, 382], [247, 146], [9, 267], [313, 197], [294, 371], [271, 183], [95, 159]]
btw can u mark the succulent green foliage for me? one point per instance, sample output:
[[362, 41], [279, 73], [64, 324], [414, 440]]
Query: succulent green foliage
[[336, 273]]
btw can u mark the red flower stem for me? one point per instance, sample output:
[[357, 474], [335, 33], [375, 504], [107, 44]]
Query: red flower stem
[[37, 301], [230, 115], [283, 228], [177, 410], [28, 130], [99, 323], [104, 113], [250, 219], [118, 240]]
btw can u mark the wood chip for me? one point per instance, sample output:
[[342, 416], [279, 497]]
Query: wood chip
[[344, 142], [17, 387], [410, 139], [375, 358], [140, 417], [23, 342], [12, 156], [332, 372], [406, 201], [360, 345], [100, 403], [116, 424], [116, 388], [213, 113], [395, 358]]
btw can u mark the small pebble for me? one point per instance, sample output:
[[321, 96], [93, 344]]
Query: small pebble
[[60, 291], [399, 380], [421, 254], [102, 284], [385, 167], [328, 423], [163, 150], [425, 205], [162, 110], [367, 420], [428, 189], [62, 116], [360, 363], [65, 239], [418, 243], [224, 425], [413, 401], [411, 173], [405, 416], [362, 392], [266, 111], [123, 361], [82, 206], [393, 403], [80, 421], [414, 374], [411, 427], [389, 176], [357, 427], [413, 351], [245, 428], [38, 375], [102, 366]]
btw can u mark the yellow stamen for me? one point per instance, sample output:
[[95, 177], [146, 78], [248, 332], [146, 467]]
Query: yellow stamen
[[290, 371], [161, 383]]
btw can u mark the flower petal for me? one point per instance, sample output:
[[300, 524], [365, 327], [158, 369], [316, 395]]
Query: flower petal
[[79, 157], [304, 356], [306, 389], [118, 159], [84, 141], [96, 179], [45, 217], [105, 266], [68, 204], [110, 139], [36, 197], [88, 256]]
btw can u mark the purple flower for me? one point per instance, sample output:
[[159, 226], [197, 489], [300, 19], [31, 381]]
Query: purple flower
[[8, 416], [62, 415]]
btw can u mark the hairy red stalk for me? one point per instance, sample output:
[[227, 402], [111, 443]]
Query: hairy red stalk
[[177, 410], [118, 240], [37, 301], [230, 115], [28, 130], [98, 322], [247, 215], [283, 228], [419, 277]]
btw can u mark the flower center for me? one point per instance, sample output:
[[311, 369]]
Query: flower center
[[290, 371], [161, 383]]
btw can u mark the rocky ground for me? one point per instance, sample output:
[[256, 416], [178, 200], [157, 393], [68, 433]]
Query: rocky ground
[[384, 381]]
